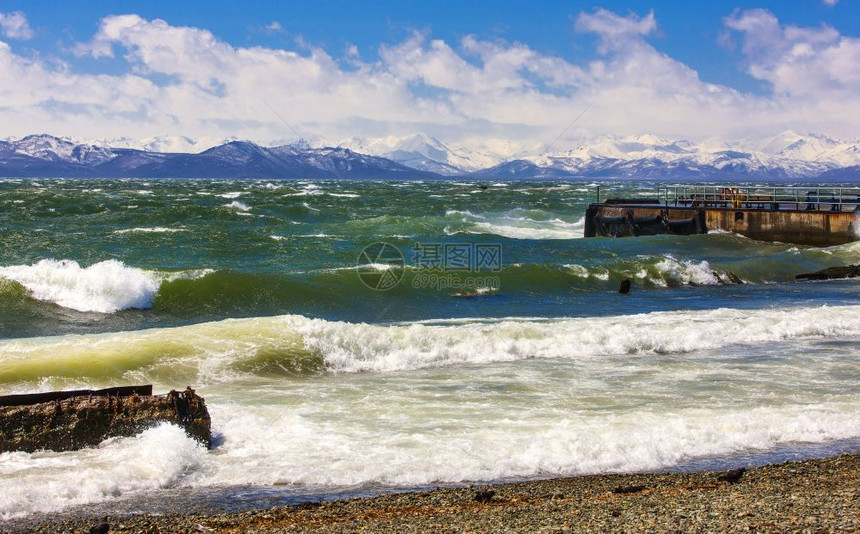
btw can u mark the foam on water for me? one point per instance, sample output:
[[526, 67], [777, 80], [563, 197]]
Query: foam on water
[[352, 348], [239, 206], [657, 271], [487, 447], [515, 225], [104, 287], [149, 230], [45, 481], [686, 272], [222, 351], [625, 393]]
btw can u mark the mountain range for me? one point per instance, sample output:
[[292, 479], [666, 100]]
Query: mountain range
[[787, 156]]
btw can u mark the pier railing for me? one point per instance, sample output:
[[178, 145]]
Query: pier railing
[[773, 198]]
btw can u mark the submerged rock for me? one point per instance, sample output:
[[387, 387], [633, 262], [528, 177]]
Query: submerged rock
[[832, 273], [86, 421]]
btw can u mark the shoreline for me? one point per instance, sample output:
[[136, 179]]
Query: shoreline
[[818, 495]]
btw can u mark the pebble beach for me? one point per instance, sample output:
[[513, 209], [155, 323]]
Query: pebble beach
[[821, 495]]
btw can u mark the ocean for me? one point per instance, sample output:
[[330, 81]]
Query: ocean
[[353, 337]]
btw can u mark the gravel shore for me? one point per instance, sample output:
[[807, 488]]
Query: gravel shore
[[806, 496]]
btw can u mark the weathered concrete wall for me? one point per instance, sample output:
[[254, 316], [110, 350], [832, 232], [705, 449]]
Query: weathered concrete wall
[[86, 421], [816, 228]]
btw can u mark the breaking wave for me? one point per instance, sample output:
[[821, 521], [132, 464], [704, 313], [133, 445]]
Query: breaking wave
[[104, 287], [222, 351], [516, 224]]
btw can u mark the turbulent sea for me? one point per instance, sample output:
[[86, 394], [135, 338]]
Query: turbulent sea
[[257, 294]]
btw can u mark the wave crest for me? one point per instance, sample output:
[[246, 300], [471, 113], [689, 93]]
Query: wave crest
[[223, 351], [103, 287]]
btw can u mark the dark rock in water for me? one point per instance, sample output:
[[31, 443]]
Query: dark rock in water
[[733, 476], [832, 273], [485, 496], [729, 278], [102, 527], [86, 421], [625, 286], [629, 489]]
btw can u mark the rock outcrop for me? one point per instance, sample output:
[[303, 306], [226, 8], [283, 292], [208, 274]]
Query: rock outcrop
[[832, 273], [85, 421]]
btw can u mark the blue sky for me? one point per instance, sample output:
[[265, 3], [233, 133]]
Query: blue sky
[[369, 54]]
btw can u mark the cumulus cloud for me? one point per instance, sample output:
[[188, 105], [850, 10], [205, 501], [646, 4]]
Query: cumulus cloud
[[615, 30], [185, 81], [15, 26], [811, 62]]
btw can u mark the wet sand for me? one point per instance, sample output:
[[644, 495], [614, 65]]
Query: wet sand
[[807, 496]]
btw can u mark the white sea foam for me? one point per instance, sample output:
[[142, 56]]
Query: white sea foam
[[149, 230], [239, 206], [658, 271], [624, 393], [316, 452], [307, 190], [46, 482], [360, 347], [577, 270], [516, 226], [105, 287], [685, 272]]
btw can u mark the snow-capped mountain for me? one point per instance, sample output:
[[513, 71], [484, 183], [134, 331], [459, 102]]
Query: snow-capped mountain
[[818, 148], [165, 143], [47, 156], [420, 151], [787, 156], [49, 148]]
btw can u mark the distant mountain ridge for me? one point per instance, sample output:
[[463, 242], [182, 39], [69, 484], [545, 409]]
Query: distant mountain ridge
[[787, 156], [48, 156]]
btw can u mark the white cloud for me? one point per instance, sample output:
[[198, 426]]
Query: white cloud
[[186, 81], [614, 29], [274, 27], [802, 62], [15, 26], [829, 3]]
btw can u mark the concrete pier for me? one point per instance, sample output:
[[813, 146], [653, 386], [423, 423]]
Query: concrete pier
[[821, 221]]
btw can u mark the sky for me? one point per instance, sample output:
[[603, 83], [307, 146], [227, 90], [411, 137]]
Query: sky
[[493, 74]]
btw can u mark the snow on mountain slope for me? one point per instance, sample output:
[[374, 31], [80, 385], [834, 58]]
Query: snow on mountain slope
[[819, 148], [426, 153], [789, 155], [50, 148], [166, 143]]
